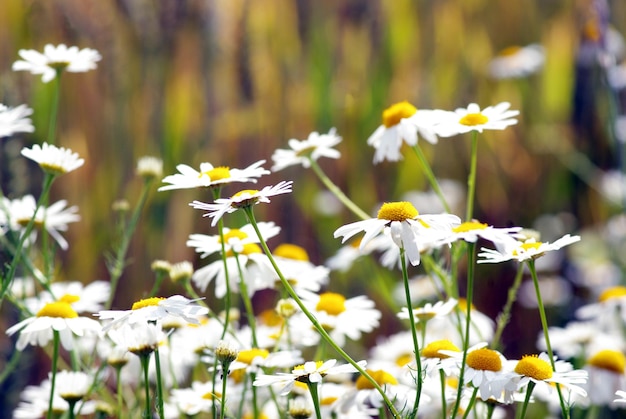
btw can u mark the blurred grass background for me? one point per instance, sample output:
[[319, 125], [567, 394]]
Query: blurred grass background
[[230, 81]]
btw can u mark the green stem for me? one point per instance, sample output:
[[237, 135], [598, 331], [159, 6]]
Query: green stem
[[546, 336], [470, 405], [468, 321], [160, 276], [6, 282], [430, 176], [55, 358], [255, 403], [338, 192], [442, 378], [159, 382], [145, 363], [119, 261], [72, 405], [320, 329], [471, 179], [54, 110], [529, 391], [225, 367], [243, 287], [316, 399], [418, 358], [120, 399], [505, 315]]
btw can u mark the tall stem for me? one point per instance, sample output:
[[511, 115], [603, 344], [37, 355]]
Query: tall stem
[[159, 383], [55, 358], [316, 324], [145, 363], [505, 315], [316, 398], [247, 303], [468, 321], [338, 192], [418, 359], [471, 179], [54, 110], [428, 171]]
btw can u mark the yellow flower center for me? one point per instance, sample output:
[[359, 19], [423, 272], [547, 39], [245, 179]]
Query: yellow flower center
[[332, 303], [473, 119], [397, 211], [396, 112], [235, 234], [484, 359], [238, 375], [462, 305], [528, 246], [245, 191], [508, 51], [534, 367], [52, 168], [613, 292], [270, 318], [609, 360], [432, 349], [327, 401], [217, 173], [469, 226], [212, 396], [23, 222], [248, 249], [300, 368], [69, 298], [381, 377], [291, 251], [248, 356], [146, 302], [60, 309], [404, 359]]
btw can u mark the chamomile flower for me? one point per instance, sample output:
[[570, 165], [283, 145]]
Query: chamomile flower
[[137, 338], [402, 122], [244, 198], [309, 372], [235, 239], [255, 359], [302, 152], [56, 59], [149, 167], [35, 400], [72, 386], [153, 310], [429, 311], [471, 231], [607, 312], [523, 251], [468, 119], [13, 120], [606, 375], [58, 316], [517, 62], [408, 229], [537, 369], [211, 176], [342, 317], [198, 398], [83, 298], [434, 361]]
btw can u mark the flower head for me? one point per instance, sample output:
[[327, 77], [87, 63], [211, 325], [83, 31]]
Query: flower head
[[14, 120], [53, 159], [401, 123], [150, 167], [408, 228], [472, 118], [539, 370], [517, 62], [244, 198], [210, 176], [523, 251], [302, 152], [57, 59]]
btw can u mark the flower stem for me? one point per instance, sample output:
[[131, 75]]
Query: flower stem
[[546, 336], [120, 399], [225, 366], [316, 324], [243, 286], [54, 110], [316, 399], [471, 179], [468, 321], [529, 391], [72, 405], [55, 358], [145, 362], [418, 359], [442, 378], [338, 192], [470, 405], [430, 176], [505, 315], [116, 267], [159, 382]]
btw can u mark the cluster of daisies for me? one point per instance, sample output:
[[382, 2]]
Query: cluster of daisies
[[272, 344]]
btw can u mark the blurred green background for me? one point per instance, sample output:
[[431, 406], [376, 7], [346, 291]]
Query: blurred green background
[[228, 82]]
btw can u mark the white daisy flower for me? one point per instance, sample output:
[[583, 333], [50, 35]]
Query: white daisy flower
[[433, 360], [35, 399], [195, 399], [517, 62], [150, 167], [472, 118], [57, 316], [52, 159], [153, 310], [471, 231], [522, 251], [429, 311], [88, 298], [309, 372], [302, 152], [138, 338], [244, 198], [234, 239], [402, 122], [539, 370], [13, 120], [578, 338], [606, 370], [254, 360], [608, 311], [56, 59], [72, 385], [211, 176], [408, 229], [342, 317]]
